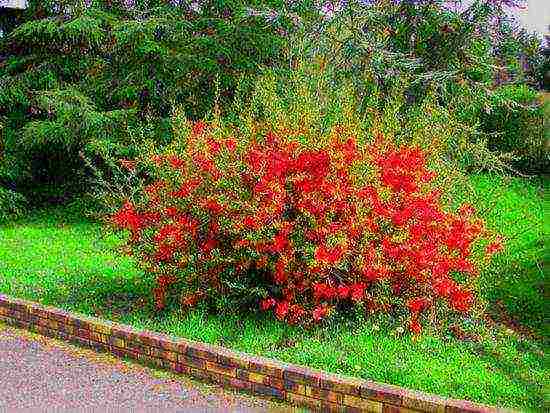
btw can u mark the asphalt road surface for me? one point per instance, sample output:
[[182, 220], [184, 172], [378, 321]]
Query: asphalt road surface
[[49, 375]]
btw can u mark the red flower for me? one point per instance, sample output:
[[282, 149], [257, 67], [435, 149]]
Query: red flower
[[128, 218], [209, 245], [171, 211], [357, 291], [466, 210], [329, 255], [444, 287], [280, 272], [494, 247], [279, 243], [343, 291], [165, 252], [322, 291], [415, 327], [213, 206], [128, 164], [175, 161], [320, 312], [198, 127], [251, 223], [191, 300], [214, 146], [159, 294], [231, 144], [281, 309], [267, 303], [187, 188], [462, 300], [157, 159], [418, 304], [296, 314]]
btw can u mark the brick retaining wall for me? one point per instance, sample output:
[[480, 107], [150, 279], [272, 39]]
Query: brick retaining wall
[[295, 384]]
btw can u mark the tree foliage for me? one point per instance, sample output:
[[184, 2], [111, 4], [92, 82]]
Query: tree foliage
[[76, 75]]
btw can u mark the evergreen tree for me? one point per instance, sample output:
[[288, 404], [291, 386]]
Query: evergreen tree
[[92, 75]]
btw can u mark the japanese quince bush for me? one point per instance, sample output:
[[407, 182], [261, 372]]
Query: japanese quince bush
[[304, 229]]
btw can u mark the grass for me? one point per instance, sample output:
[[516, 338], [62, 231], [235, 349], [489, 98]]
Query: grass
[[515, 281], [59, 258]]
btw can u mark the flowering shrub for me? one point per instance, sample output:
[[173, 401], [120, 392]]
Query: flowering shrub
[[309, 228]]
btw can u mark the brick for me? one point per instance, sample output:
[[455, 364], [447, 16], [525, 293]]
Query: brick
[[266, 366], [101, 328], [232, 359], [149, 361], [58, 315], [117, 342], [300, 400], [322, 394], [363, 404], [199, 374], [42, 329], [53, 324], [349, 409], [264, 390], [86, 334], [181, 368], [169, 355], [275, 382], [382, 392], [35, 310], [129, 354], [423, 402], [148, 339], [82, 324], [334, 408], [80, 341], [43, 322], [155, 352], [171, 365], [252, 377], [292, 386], [18, 305], [201, 351], [464, 406], [340, 384], [169, 345], [62, 335], [137, 347], [181, 347], [220, 369], [301, 375], [100, 346], [67, 328], [242, 374], [388, 408], [22, 324], [239, 384], [196, 363], [94, 336]]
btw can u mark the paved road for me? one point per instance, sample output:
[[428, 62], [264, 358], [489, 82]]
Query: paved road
[[38, 372]]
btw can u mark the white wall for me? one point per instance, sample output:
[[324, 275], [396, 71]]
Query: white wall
[[14, 4], [536, 17]]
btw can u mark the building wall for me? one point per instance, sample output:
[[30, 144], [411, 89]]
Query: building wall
[[13, 4], [536, 17]]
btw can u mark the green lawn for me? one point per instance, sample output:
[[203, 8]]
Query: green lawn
[[57, 257]]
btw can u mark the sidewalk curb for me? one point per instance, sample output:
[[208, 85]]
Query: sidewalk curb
[[265, 377]]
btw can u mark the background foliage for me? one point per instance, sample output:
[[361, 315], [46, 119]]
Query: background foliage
[[98, 76]]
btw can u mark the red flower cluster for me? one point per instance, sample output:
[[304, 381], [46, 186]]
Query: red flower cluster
[[322, 233]]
